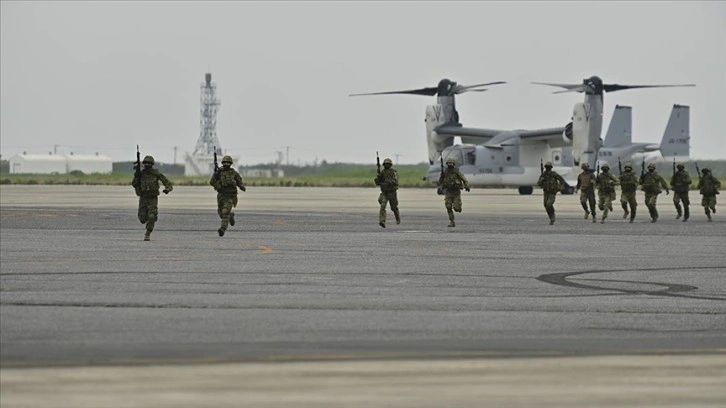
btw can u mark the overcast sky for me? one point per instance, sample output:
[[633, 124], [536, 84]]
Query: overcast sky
[[106, 76]]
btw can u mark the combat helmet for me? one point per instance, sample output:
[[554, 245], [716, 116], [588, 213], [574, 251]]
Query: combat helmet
[[148, 159], [605, 165], [680, 165], [629, 165], [651, 166], [548, 164], [450, 160], [227, 159], [585, 166], [388, 161]]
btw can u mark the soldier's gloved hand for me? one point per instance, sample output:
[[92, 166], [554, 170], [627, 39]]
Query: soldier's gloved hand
[[166, 191], [668, 192], [243, 188], [576, 190], [467, 189]]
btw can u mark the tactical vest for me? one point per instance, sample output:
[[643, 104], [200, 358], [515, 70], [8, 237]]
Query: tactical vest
[[452, 181], [629, 182], [148, 183], [585, 180], [550, 183], [651, 183], [708, 186], [390, 178], [680, 182]]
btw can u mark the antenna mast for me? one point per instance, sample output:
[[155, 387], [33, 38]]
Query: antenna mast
[[208, 119]]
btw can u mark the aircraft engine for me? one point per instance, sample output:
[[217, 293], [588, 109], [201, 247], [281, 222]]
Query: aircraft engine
[[567, 133], [436, 117]]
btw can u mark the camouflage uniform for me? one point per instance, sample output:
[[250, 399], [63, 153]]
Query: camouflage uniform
[[651, 183], [586, 185], [551, 184], [708, 185], [225, 181], [628, 186], [146, 185], [681, 183], [606, 183], [453, 181], [387, 180]]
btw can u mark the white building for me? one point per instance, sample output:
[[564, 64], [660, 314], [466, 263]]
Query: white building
[[37, 163], [59, 164], [89, 164]]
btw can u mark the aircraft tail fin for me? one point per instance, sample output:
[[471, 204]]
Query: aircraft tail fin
[[676, 138], [620, 130]]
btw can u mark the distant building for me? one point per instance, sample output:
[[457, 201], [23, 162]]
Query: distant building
[[89, 164], [262, 173], [59, 164], [37, 164]]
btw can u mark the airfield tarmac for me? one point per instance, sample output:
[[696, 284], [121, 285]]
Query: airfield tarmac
[[307, 302]]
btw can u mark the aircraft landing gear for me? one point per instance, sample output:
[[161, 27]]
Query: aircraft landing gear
[[525, 190]]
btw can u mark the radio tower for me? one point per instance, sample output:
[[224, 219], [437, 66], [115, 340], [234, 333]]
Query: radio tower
[[208, 119]]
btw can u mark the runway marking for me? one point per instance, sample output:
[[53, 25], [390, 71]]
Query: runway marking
[[279, 222], [671, 289], [265, 249]]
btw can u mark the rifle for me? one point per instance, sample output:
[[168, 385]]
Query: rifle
[[137, 166], [541, 167], [216, 165], [698, 171], [378, 165], [674, 166], [441, 157], [642, 170], [620, 166], [597, 174]]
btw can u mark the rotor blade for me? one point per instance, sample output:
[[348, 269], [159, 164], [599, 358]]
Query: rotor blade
[[462, 88], [423, 91], [566, 86], [473, 90], [580, 88], [616, 87]]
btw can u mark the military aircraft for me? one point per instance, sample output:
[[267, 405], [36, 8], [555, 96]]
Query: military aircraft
[[618, 143], [490, 157]]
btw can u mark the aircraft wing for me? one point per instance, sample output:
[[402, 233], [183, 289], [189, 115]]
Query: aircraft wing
[[483, 134], [549, 134]]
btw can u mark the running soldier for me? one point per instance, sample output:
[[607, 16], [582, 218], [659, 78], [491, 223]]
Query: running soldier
[[681, 183], [551, 184], [225, 181], [146, 184], [708, 185], [651, 183], [628, 186], [453, 181], [606, 183], [387, 180], [586, 185]]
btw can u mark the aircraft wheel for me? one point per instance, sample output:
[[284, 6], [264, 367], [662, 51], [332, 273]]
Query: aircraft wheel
[[525, 190]]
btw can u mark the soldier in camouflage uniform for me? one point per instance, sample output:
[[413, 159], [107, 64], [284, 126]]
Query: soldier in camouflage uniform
[[225, 181], [651, 183], [453, 181], [628, 186], [708, 185], [681, 183], [146, 184], [387, 180], [551, 184], [606, 183], [586, 185]]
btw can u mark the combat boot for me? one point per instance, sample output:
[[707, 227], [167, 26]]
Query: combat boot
[[686, 214], [602, 220], [231, 219], [587, 214], [552, 221], [398, 218], [713, 209], [625, 215], [678, 216], [594, 220], [147, 236], [221, 232], [452, 223], [382, 224]]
